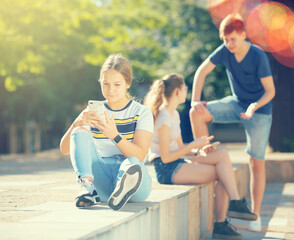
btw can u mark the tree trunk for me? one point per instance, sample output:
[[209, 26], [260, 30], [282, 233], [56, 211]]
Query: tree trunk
[[27, 138], [37, 137], [12, 138]]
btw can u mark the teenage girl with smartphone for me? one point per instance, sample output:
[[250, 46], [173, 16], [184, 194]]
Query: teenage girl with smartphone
[[107, 153]]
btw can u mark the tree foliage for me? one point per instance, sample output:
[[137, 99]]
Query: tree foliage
[[51, 52]]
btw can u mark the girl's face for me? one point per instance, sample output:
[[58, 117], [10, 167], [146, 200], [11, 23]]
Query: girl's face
[[114, 86]]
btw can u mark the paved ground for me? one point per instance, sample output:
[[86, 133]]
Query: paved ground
[[28, 182], [277, 214]]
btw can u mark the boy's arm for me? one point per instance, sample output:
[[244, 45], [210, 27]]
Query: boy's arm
[[270, 91], [199, 78]]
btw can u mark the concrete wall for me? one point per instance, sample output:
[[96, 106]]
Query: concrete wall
[[170, 213]]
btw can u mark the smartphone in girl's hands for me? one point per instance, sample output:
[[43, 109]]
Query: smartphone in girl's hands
[[97, 106]]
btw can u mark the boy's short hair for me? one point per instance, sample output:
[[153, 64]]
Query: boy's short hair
[[231, 23]]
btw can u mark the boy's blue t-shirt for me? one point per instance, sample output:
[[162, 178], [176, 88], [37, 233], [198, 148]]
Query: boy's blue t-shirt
[[244, 77]]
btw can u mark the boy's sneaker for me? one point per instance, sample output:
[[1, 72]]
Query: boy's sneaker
[[255, 226], [88, 194], [126, 186], [239, 209], [224, 230]]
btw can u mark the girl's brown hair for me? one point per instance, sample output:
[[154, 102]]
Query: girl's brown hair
[[162, 89], [119, 63]]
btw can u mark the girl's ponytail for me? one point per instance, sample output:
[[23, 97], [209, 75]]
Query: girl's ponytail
[[161, 90], [155, 97]]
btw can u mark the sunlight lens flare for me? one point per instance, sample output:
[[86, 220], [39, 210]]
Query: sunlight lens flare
[[291, 37], [272, 15], [269, 25], [219, 9]]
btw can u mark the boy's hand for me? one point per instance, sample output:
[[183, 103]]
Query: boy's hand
[[199, 106], [249, 112]]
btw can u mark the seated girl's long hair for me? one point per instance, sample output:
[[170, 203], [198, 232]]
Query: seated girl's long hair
[[161, 90]]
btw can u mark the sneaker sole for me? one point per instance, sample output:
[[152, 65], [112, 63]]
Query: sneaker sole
[[242, 216], [222, 236], [255, 229], [124, 189], [86, 201]]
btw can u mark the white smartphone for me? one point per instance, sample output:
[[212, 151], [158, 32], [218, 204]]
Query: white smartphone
[[97, 106]]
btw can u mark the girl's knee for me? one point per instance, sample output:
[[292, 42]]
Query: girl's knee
[[223, 155], [80, 136], [130, 161], [80, 129], [133, 160], [144, 191]]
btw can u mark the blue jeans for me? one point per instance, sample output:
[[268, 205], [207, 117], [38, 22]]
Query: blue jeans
[[257, 128], [165, 171], [104, 171]]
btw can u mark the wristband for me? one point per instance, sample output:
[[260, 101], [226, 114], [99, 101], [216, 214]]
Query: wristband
[[196, 152], [117, 139]]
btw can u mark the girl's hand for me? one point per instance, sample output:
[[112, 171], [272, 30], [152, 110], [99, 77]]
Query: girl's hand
[[107, 127], [88, 118], [208, 148], [201, 142]]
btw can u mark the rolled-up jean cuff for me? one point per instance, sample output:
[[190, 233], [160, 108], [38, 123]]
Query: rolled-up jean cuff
[[79, 176], [260, 158], [178, 167]]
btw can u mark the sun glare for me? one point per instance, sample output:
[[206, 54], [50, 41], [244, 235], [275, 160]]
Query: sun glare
[[269, 24]]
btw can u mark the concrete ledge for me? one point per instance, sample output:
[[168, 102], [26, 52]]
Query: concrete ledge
[[280, 167], [170, 212], [38, 194]]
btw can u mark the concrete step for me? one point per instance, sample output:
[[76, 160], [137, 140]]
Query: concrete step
[[170, 212], [279, 166], [277, 214], [39, 192]]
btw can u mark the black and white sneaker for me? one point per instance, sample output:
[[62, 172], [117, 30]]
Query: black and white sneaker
[[126, 186], [225, 230], [239, 209], [88, 194]]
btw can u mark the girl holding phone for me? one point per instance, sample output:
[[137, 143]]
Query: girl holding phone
[[207, 165], [108, 153]]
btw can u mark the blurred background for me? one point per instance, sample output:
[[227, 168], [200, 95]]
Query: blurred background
[[51, 53]]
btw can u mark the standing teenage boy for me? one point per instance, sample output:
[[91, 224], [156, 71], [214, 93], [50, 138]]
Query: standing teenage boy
[[252, 87]]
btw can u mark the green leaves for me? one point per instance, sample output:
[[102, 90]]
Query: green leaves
[[52, 51], [11, 84]]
